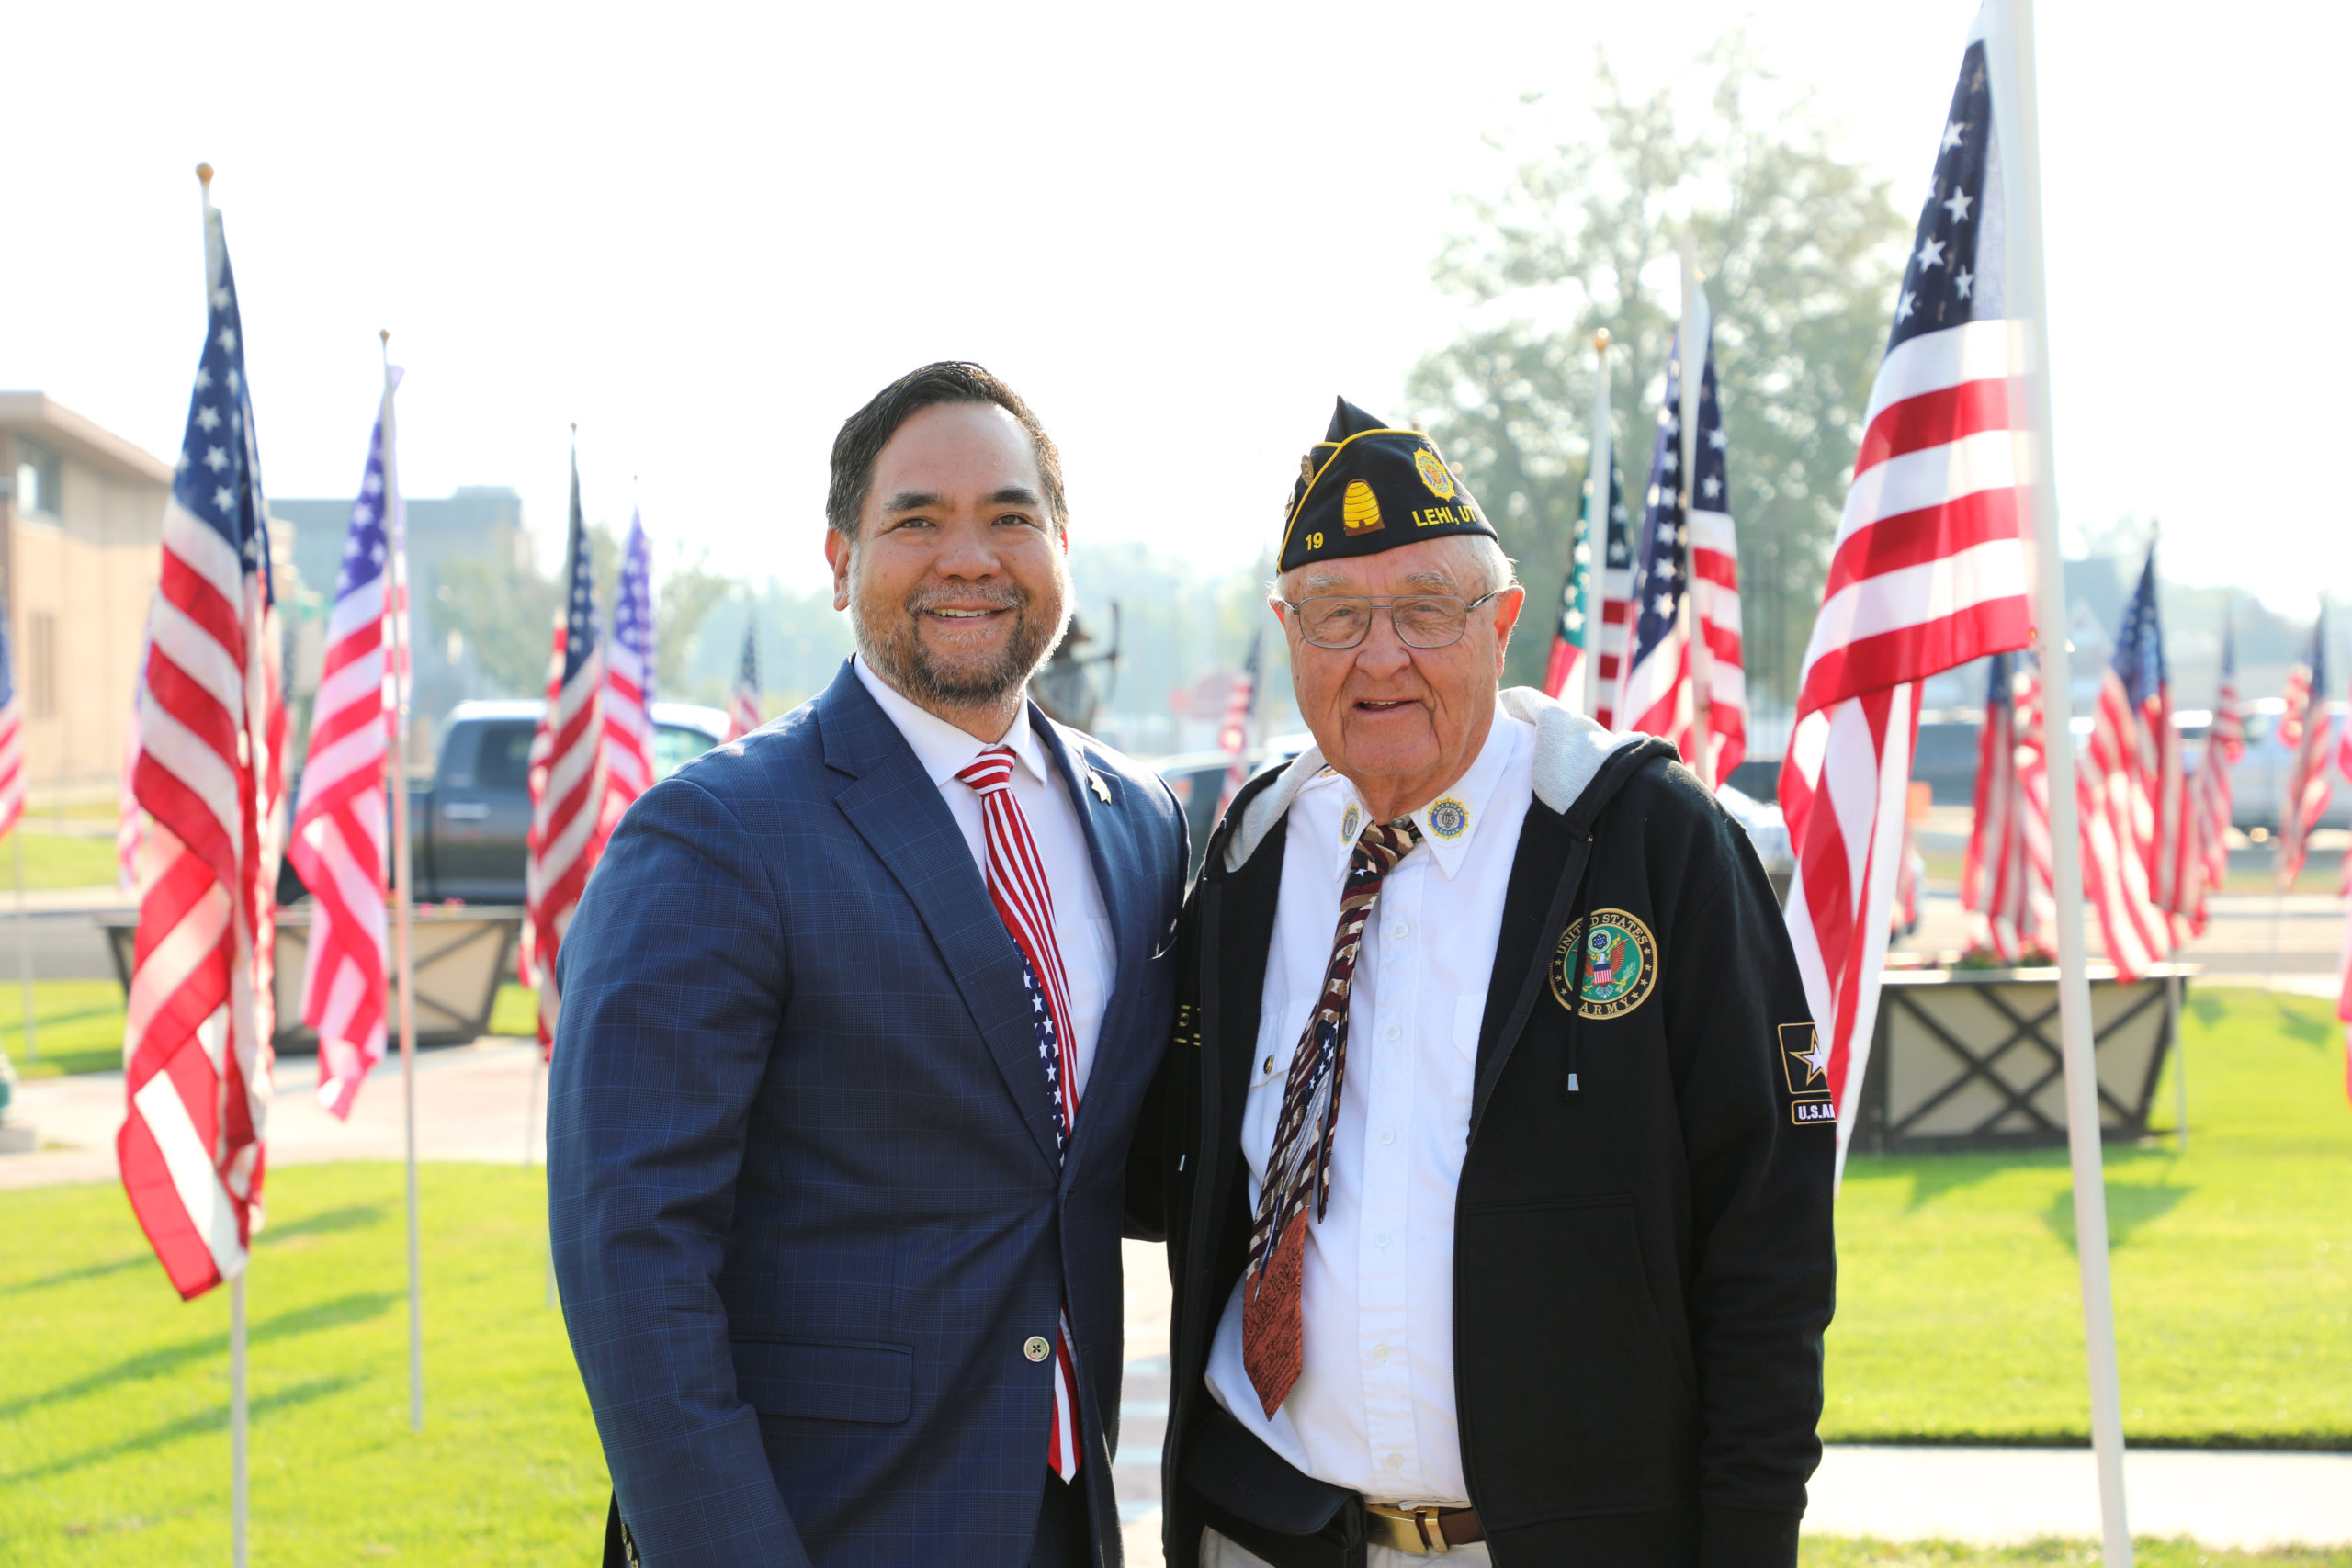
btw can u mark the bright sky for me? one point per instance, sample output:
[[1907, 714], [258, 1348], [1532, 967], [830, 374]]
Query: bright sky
[[708, 235]]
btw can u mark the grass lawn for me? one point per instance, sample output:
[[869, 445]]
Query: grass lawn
[[114, 1397], [53, 860], [77, 1027], [1957, 1314], [1957, 1321]]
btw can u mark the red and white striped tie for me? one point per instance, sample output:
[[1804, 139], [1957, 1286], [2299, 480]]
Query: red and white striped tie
[[1025, 903]]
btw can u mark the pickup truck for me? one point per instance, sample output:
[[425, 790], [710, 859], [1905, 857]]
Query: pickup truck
[[467, 829]]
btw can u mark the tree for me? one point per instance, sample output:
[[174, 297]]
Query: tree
[[505, 610], [1801, 251]]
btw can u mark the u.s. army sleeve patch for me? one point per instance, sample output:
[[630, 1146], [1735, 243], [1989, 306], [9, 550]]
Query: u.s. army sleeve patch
[[1805, 1062], [1605, 967]]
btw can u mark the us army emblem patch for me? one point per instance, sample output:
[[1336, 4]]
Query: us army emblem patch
[[1618, 960], [1805, 1062]]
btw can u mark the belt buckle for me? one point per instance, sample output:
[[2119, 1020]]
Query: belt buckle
[[1414, 1531]]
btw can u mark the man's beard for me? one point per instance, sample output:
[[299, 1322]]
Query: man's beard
[[896, 652]]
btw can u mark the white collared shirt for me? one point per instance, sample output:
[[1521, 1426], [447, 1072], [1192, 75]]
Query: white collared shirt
[[1374, 1406], [1081, 923]]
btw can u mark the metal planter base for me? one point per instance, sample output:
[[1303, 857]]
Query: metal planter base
[[1967, 1059], [462, 953]]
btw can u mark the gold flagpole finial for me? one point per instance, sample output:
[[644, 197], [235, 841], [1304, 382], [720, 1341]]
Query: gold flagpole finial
[[1600, 342], [204, 177]]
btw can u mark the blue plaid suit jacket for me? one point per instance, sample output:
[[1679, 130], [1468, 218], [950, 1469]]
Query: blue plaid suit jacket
[[801, 1173]]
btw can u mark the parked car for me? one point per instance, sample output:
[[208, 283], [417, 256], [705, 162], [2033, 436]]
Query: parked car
[[1197, 780], [468, 828], [2258, 783]]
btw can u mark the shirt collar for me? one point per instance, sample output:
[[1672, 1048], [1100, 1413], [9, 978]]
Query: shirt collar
[[942, 750], [1449, 823]]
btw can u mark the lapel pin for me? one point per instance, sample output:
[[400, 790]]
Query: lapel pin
[[1101, 791]]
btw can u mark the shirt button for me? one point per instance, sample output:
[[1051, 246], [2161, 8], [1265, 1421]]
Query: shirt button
[[1380, 1352], [1396, 1461], [1395, 1032], [1037, 1349], [1380, 1240], [1387, 1137], [1399, 929]]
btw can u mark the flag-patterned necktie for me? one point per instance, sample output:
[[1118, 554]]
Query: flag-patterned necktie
[[1300, 1171], [1025, 902]]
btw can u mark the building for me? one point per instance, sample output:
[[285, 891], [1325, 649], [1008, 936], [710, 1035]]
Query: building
[[478, 523], [83, 513]]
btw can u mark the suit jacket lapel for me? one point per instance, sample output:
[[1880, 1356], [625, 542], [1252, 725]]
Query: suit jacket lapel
[[896, 809]]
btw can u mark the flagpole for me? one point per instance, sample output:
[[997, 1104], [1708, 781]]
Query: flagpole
[[2018, 135], [1693, 354], [24, 940], [240, 1495], [2180, 1059], [1594, 537], [238, 1505], [402, 882]]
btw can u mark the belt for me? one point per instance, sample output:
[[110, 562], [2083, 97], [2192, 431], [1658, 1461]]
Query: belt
[[1421, 1532]]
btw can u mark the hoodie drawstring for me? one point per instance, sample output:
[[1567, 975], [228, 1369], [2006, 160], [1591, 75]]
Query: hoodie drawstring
[[1579, 911]]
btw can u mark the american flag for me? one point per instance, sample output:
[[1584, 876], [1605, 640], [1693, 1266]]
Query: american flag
[[2131, 775], [1233, 735], [338, 841], [1687, 574], [628, 686], [2308, 727], [743, 708], [1574, 656], [1928, 570], [567, 775], [2208, 789], [1616, 603], [2005, 878], [12, 734], [196, 1041]]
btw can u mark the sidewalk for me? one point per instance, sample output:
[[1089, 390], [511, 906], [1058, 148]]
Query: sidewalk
[[470, 1105]]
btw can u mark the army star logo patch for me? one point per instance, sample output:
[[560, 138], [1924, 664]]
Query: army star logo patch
[[1618, 959], [1805, 1062]]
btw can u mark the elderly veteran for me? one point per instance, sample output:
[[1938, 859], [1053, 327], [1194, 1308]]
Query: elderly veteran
[[1499, 1216]]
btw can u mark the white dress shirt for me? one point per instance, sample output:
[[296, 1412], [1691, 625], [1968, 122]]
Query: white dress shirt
[[1082, 923], [1373, 1406]]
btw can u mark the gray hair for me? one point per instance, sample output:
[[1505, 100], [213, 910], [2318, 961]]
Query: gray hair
[[1474, 565]]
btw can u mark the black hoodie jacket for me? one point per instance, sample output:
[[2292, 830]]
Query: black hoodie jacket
[[1643, 1261]]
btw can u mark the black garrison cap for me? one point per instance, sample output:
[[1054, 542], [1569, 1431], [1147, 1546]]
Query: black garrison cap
[[1366, 488]]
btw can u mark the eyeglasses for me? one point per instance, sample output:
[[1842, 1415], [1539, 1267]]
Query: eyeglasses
[[1423, 620]]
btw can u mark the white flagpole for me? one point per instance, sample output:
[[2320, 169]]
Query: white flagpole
[[24, 940], [239, 1503], [239, 1489], [2017, 131], [395, 516], [1694, 333], [1593, 539]]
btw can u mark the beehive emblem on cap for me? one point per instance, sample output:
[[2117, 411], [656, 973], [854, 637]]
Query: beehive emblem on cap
[[1434, 474], [1359, 509]]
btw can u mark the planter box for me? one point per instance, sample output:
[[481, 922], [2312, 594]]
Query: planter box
[[1969, 1059], [462, 953]]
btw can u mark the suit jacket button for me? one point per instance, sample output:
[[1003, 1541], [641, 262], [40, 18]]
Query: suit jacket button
[[1037, 1349]]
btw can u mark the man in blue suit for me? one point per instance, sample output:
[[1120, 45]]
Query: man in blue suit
[[859, 1011]]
